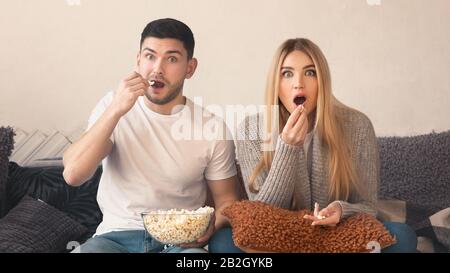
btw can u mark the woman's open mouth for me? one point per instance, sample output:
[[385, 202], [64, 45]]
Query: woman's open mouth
[[156, 84], [299, 100]]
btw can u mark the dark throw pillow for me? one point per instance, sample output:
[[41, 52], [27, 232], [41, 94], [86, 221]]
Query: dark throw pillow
[[48, 185], [6, 147], [36, 227]]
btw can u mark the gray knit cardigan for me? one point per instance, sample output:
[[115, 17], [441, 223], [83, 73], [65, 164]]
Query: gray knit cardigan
[[290, 178]]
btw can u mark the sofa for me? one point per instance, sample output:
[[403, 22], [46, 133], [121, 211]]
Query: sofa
[[39, 212], [415, 186]]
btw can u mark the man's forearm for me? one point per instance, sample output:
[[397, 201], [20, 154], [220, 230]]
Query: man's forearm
[[83, 156]]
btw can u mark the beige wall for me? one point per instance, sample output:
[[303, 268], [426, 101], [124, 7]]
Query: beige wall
[[391, 60]]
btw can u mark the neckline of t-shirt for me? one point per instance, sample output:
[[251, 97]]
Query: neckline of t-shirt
[[156, 114]]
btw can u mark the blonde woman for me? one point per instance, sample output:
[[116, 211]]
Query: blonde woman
[[325, 157]]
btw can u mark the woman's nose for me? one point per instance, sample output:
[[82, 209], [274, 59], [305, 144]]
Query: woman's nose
[[298, 82]]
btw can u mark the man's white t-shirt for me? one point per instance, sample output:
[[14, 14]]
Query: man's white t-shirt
[[154, 164]]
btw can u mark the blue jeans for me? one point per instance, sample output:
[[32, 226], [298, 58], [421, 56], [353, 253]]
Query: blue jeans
[[405, 236], [133, 241], [222, 241]]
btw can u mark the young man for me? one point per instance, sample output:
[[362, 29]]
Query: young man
[[146, 165]]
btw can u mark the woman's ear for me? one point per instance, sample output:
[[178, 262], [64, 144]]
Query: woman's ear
[[192, 65]]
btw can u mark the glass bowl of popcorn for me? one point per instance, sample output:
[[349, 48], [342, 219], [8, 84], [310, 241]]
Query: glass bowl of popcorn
[[177, 226]]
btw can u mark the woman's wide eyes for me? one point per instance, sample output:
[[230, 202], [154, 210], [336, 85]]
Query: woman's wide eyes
[[310, 72], [287, 74]]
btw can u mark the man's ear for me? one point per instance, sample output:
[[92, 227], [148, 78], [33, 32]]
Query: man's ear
[[192, 65], [138, 58]]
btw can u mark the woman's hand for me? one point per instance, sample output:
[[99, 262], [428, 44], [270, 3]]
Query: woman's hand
[[294, 132], [329, 216]]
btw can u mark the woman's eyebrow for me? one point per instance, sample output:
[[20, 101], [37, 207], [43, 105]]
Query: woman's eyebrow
[[305, 67]]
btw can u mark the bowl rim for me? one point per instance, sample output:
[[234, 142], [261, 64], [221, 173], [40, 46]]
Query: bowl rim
[[165, 213], [175, 212]]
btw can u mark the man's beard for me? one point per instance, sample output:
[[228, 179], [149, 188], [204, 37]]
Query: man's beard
[[171, 95]]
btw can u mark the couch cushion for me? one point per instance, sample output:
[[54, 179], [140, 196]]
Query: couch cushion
[[416, 170], [34, 226], [6, 147], [48, 184]]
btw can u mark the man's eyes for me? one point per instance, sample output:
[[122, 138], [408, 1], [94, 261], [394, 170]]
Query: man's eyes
[[170, 59]]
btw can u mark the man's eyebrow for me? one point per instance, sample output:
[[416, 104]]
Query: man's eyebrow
[[167, 52], [174, 52], [149, 49]]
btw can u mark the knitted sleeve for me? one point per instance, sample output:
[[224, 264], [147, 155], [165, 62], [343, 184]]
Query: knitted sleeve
[[276, 186]]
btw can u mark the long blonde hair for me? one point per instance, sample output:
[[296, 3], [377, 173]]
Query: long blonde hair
[[328, 124]]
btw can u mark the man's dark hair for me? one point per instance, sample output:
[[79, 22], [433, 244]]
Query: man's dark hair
[[170, 28]]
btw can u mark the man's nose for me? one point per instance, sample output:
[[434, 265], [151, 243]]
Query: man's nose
[[157, 68]]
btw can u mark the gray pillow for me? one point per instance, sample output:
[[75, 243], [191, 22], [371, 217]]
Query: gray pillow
[[6, 147], [36, 227], [416, 169]]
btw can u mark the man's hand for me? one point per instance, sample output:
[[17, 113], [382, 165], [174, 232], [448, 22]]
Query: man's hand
[[203, 240], [329, 216], [128, 92]]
